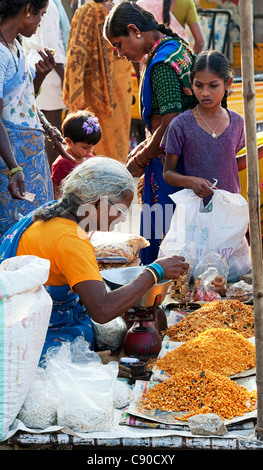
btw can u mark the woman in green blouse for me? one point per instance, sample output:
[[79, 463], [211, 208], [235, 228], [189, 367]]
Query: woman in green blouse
[[165, 92]]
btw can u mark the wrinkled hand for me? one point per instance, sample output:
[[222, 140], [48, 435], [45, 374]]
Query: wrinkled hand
[[136, 149], [202, 187], [134, 162], [46, 64], [16, 185], [174, 266], [134, 169], [58, 142]]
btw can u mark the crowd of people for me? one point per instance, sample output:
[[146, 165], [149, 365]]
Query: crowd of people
[[54, 198]]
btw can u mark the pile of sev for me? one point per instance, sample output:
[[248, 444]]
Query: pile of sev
[[197, 392], [216, 349], [217, 314]]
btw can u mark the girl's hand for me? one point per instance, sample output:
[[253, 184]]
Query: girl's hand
[[16, 185], [201, 187]]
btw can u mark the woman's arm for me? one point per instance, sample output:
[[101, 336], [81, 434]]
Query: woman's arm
[[200, 186], [103, 306], [16, 185], [151, 148], [197, 34]]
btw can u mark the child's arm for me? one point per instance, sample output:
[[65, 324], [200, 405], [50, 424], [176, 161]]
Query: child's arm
[[200, 186]]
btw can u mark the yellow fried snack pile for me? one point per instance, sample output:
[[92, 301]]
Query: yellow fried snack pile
[[197, 392], [217, 349], [217, 314]]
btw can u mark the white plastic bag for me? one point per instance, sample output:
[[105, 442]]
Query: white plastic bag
[[39, 410], [25, 309], [221, 229], [84, 390], [110, 335]]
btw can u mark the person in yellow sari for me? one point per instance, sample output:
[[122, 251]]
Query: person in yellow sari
[[97, 79]]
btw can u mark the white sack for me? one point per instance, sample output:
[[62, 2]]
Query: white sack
[[25, 309]]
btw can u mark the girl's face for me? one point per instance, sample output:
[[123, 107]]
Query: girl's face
[[78, 150], [132, 46], [209, 88]]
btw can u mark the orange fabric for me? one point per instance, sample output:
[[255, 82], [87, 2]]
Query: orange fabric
[[72, 259], [97, 79]]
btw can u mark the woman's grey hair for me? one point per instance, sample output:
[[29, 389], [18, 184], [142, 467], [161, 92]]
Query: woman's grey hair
[[98, 177]]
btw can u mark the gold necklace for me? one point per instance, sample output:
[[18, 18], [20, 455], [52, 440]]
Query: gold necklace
[[212, 130]]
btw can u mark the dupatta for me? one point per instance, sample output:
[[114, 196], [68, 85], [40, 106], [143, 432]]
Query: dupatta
[[174, 52]]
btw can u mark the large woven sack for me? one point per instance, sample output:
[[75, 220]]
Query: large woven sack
[[25, 309]]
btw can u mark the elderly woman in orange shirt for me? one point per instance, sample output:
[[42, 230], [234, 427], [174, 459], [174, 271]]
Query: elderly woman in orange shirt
[[95, 196]]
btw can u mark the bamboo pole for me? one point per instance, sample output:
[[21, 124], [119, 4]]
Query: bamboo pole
[[253, 192]]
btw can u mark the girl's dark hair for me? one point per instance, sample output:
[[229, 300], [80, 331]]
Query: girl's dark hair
[[217, 63], [128, 12], [72, 128], [12, 7]]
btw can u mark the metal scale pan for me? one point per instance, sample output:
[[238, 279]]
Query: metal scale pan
[[120, 277]]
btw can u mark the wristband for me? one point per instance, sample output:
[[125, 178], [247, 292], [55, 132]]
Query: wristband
[[159, 270], [153, 273], [14, 170]]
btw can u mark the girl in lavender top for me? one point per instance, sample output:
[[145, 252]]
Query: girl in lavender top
[[207, 136]]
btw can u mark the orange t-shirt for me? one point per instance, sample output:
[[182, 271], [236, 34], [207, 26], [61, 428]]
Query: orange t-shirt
[[72, 258]]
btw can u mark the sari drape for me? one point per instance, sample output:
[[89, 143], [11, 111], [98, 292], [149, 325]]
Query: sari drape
[[98, 80], [27, 141]]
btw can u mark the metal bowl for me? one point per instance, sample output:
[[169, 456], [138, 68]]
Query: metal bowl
[[120, 277]]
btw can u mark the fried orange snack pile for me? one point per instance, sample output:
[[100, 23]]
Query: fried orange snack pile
[[197, 392], [217, 314], [216, 349]]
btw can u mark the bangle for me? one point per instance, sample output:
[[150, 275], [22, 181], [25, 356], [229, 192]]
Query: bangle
[[159, 270], [47, 127], [137, 162], [14, 170], [153, 273]]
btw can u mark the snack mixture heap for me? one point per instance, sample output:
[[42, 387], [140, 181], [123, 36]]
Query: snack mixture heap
[[219, 350], [215, 347], [197, 392], [217, 314]]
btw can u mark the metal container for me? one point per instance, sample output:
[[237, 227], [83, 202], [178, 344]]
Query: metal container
[[119, 277]]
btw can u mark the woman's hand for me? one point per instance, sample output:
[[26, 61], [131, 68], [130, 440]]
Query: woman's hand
[[137, 161], [134, 169], [173, 266], [43, 67], [58, 142], [136, 149], [16, 185], [46, 64]]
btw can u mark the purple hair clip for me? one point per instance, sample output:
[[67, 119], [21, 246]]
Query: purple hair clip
[[91, 125]]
